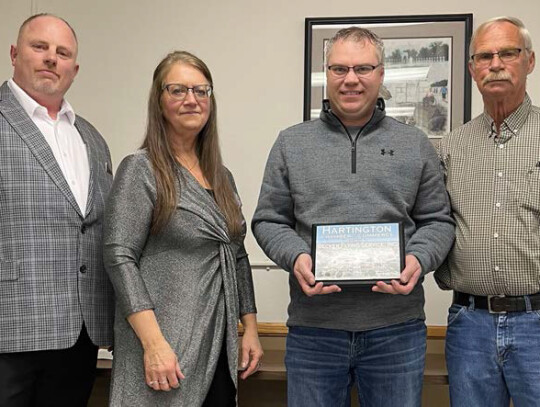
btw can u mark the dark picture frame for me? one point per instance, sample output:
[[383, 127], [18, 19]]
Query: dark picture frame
[[426, 73]]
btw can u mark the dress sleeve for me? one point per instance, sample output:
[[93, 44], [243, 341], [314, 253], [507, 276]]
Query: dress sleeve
[[244, 277], [128, 218]]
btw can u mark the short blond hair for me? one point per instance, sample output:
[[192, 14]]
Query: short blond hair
[[357, 34]]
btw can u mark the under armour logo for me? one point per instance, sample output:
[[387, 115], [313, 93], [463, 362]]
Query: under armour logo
[[383, 152]]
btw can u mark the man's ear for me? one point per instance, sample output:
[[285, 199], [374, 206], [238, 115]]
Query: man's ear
[[13, 54], [532, 62], [471, 70]]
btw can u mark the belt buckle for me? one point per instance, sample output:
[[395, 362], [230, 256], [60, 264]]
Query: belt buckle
[[492, 311]]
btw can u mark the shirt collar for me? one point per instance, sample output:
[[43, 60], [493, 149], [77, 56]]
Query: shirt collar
[[512, 124], [30, 105]]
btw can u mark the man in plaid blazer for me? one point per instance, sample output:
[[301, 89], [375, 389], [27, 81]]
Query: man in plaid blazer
[[55, 173]]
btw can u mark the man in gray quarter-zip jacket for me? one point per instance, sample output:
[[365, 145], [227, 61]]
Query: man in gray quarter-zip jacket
[[354, 165]]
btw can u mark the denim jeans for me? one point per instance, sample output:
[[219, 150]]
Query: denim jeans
[[493, 357], [386, 364]]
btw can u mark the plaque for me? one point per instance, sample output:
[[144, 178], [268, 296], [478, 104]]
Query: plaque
[[357, 253]]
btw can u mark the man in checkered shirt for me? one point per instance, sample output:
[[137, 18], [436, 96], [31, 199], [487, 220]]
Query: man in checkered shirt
[[492, 168]]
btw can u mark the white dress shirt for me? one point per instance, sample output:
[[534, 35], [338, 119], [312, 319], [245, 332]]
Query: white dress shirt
[[64, 140]]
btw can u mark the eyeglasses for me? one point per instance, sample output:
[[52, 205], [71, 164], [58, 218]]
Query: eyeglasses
[[505, 55], [179, 92], [339, 71]]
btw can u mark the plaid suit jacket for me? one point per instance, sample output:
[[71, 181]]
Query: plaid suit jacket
[[51, 269]]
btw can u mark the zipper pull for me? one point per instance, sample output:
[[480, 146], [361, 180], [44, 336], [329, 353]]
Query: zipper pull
[[353, 158]]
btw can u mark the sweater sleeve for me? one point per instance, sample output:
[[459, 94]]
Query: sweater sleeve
[[435, 227], [128, 218], [274, 222]]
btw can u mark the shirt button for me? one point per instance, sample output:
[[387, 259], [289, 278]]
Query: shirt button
[[498, 204], [500, 174], [501, 145], [495, 235], [496, 268], [83, 269]]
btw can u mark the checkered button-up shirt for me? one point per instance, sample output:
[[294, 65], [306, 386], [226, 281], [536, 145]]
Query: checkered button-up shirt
[[493, 181]]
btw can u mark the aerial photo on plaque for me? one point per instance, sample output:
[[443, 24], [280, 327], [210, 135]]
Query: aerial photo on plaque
[[368, 251]]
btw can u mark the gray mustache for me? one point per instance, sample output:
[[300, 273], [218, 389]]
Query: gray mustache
[[497, 76]]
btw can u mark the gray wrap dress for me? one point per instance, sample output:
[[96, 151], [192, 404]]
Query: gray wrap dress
[[195, 278]]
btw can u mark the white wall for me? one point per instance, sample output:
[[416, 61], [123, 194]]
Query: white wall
[[255, 50]]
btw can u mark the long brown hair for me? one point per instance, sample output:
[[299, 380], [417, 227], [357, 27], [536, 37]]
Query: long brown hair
[[161, 153]]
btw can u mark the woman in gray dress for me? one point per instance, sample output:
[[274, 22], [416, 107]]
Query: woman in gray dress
[[174, 252]]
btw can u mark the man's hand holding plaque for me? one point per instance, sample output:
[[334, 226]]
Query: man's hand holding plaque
[[304, 274], [408, 279]]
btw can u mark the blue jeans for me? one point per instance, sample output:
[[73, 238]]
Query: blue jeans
[[493, 357], [386, 364]]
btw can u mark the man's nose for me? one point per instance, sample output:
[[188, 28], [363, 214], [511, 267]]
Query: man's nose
[[50, 57], [496, 63], [351, 76]]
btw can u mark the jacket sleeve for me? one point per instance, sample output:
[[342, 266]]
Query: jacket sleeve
[[128, 217], [274, 221], [435, 227]]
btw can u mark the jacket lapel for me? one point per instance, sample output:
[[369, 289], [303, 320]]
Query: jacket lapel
[[30, 134], [92, 163]]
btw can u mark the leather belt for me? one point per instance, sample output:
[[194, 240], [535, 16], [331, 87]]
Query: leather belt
[[498, 304]]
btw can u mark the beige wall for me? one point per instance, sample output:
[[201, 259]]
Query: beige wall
[[255, 51]]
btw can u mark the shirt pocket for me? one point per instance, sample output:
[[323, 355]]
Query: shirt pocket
[[9, 270], [530, 198]]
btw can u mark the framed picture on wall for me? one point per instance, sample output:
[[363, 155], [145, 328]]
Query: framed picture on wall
[[426, 80]]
